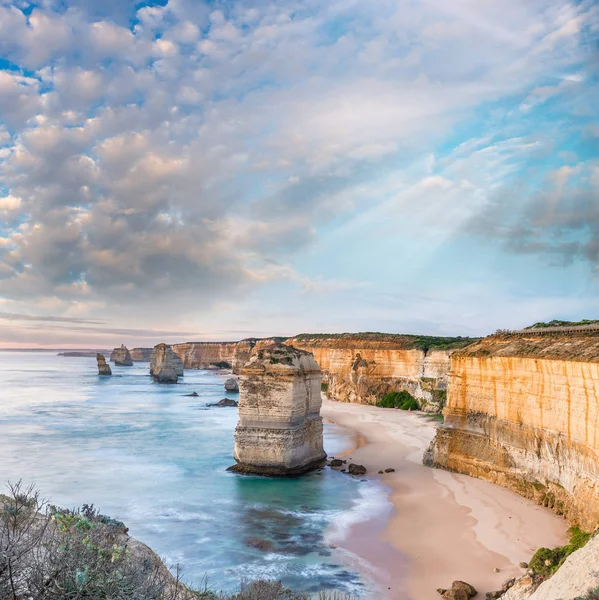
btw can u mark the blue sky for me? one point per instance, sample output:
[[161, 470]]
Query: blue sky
[[215, 170]]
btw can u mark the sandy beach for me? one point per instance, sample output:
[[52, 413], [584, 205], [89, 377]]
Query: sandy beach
[[443, 526]]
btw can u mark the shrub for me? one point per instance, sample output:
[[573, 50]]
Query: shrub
[[324, 387], [592, 594], [403, 400], [547, 561]]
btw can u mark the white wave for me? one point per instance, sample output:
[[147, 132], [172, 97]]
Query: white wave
[[372, 503]]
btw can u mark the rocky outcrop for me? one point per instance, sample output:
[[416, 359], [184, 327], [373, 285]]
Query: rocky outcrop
[[523, 412], [172, 359], [121, 357], [103, 366], [165, 365], [279, 432], [574, 579], [220, 355], [225, 402], [231, 385], [141, 354], [364, 367]]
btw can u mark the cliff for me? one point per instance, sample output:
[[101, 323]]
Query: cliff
[[523, 412], [357, 367], [574, 579], [364, 367], [224, 355], [280, 429], [141, 354]]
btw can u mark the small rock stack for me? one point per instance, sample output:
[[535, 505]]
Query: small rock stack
[[231, 385], [103, 366], [121, 357], [279, 432], [165, 365]]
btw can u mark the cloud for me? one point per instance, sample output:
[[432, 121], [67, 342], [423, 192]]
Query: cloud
[[179, 156], [24, 317]]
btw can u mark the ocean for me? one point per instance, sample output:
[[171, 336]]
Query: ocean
[[156, 459]]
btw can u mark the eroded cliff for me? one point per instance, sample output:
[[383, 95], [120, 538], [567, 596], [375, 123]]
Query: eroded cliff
[[364, 367], [225, 355], [523, 412]]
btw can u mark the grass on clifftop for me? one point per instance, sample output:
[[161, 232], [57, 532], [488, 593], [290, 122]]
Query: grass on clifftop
[[547, 561], [557, 323], [403, 400], [405, 341]]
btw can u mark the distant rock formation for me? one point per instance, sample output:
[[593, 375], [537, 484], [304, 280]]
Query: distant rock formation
[[173, 359], [231, 385], [141, 354], [121, 357], [165, 365], [103, 366], [279, 432]]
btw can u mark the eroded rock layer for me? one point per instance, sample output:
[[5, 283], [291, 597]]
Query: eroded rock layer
[[121, 356], [363, 368], [280, 429], [163, 354], [224, 355], [141, 354], [529, 422], [360, 367], [165, 365], [103, 366]]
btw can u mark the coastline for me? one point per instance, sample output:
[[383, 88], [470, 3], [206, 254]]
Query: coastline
[[443, 526]]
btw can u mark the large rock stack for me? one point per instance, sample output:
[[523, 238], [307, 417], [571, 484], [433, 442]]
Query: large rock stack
[[121, 357], [279, 432], [103, 366], [165, 365]]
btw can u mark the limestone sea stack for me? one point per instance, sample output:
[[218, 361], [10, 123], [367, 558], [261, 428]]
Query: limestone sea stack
[[279, 432], [165, 365], [121, 357], [173, 359], [103, 366]]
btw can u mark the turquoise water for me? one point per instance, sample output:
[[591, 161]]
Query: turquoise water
[[155, 459]]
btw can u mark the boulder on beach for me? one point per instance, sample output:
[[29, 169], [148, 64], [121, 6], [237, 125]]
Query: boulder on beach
[[121, 357], [231, 385], [103, 366]]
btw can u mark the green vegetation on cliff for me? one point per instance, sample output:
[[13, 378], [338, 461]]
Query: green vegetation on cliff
[[403, 341], [557, 323], [547, 561], [403, 400], [49, 553]]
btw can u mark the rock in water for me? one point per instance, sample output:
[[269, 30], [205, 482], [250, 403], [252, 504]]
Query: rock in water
[[225, 402], [171, 357], [121, 357], [163, 366], [103, 366], [231, 385], [279, 432]]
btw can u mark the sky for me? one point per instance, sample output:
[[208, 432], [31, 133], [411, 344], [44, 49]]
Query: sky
[[215, 170]]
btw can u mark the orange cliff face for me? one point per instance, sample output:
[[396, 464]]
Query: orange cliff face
[[207, 355], [363, 368], [521, 414]]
